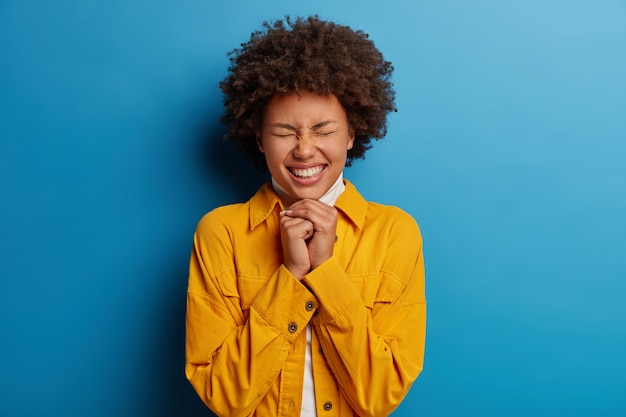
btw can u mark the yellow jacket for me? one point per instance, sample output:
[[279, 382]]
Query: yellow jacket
[[247, 315]]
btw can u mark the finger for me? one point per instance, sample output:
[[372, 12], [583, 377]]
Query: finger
[[303, 206], [324, 219], [296, 228], [309, 208]]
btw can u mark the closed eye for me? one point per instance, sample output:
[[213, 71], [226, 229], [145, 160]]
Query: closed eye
[[284, 135]]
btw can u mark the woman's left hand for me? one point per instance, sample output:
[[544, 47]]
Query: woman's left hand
[[324, 219]]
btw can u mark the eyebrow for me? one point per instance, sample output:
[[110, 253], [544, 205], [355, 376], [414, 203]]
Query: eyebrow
[[323, 124], [314, 127], [285, 126]]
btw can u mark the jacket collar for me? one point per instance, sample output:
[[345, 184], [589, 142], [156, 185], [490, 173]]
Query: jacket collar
[[351, 203]]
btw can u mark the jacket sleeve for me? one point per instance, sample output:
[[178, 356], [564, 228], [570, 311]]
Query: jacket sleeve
[[375, 351], [232, 356]]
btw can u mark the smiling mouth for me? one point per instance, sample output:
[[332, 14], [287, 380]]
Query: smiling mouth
[[307, 173]]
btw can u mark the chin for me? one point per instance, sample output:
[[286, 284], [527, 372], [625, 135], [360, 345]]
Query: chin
[[308, 194]]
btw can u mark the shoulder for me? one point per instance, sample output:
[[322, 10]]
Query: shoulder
[[223, 218], [376, 217], [243, 215], [391, 218]]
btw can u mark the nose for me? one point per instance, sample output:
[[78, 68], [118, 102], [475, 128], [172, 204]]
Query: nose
[[305, 148]]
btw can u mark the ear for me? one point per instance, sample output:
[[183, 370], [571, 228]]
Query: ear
[[259, 142], [351, 135]]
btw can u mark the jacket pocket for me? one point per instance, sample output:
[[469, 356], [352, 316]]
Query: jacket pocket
[[378, 288], [248, 288]]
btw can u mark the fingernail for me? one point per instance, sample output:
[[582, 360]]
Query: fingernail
[[285, 212]]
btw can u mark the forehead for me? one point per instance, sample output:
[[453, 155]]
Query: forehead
[[304, 109]]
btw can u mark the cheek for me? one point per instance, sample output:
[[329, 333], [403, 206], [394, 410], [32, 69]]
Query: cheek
[[338, 151], [274, 151]]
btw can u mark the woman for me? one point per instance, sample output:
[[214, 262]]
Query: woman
[[306, 300]]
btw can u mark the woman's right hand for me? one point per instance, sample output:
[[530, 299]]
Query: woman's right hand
[[294, 233]]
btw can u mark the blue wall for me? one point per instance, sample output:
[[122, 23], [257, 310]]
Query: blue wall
[[509, 148]]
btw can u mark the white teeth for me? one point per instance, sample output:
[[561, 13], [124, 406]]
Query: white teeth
[[307, 173]]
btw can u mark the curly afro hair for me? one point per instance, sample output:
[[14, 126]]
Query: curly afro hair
[[307, 54]]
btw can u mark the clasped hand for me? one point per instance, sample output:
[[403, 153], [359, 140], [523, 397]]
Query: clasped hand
[[308, 231]]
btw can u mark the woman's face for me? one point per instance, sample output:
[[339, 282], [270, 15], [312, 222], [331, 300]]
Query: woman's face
[[305, 140]]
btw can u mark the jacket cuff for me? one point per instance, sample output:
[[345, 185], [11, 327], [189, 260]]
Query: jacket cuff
[[285, 304], [332, 286]]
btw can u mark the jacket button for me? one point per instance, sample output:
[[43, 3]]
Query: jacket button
[[328, 406], [293, 327], [310, 305]]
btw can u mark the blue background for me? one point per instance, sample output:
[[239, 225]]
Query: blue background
[[509, 148]]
